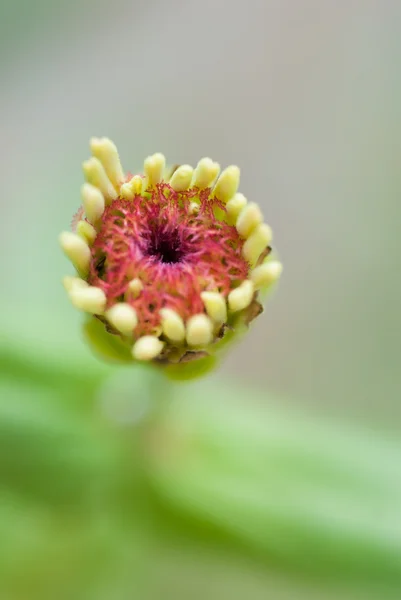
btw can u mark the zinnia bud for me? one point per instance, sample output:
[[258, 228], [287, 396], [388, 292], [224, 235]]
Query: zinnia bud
[[169, 262]]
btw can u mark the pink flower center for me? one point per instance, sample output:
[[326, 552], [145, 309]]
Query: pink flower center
[[175, 254]]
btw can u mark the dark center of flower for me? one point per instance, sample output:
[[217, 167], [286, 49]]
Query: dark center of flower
[[165, 246]]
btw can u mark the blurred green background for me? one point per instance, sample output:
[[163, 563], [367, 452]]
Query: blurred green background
[[279, 476]]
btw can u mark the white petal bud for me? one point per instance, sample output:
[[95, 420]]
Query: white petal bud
[[227, 184], [135, 287], [249, 218], [205, 173], [181, 178], [93, 202], [154, 168], [86, 231], [132, 188], [89, 299], [77, 250], [96, 175], [256, 243], [199, 330], [70, 282], [123, 317], [234, 207], [215, 305], [106, 151], [172, 325], [241, 297], [147, 348], [266, 274]]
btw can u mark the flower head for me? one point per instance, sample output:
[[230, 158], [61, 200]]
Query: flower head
[[170, 262]]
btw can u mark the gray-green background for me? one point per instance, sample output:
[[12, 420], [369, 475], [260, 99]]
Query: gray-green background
[[305, 97]]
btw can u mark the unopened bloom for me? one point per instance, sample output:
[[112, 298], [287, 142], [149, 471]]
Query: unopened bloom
[[171, 261]]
